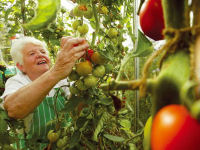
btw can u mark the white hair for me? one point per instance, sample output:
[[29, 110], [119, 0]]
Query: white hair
[[18, 45]]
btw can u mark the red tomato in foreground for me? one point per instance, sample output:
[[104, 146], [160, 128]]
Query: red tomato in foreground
[[151, 19], [174, 129]]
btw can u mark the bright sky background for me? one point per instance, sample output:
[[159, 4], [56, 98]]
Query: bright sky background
[[67, 4]]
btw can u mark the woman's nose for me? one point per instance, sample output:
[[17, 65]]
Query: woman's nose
[[40, 54]]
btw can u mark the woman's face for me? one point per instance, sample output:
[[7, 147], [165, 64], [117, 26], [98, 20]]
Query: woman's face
[[36, 60]]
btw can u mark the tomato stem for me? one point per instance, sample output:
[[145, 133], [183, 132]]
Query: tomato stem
[[175, 13], [97, 24], [174, 73], [196, 12], [126, 85]]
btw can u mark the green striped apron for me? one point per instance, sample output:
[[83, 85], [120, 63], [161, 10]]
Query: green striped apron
[[42, 115]]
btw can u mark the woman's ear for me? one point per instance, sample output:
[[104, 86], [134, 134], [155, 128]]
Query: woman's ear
[[20, 67]]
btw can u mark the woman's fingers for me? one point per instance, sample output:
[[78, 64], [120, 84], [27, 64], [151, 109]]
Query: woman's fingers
[[73, 42], [64, 40], [79, 54], [82, 47]]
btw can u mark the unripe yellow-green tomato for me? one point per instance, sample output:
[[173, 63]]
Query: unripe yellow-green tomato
[[53, 136]]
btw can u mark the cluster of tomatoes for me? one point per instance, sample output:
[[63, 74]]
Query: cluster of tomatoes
[[82, 11], [88, 71]]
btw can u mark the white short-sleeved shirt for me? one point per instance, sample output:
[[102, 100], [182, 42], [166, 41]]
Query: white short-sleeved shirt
[[19, 80]]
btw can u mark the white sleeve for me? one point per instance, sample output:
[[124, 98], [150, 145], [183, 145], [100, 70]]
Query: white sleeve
[[65, 86], [11, 86]]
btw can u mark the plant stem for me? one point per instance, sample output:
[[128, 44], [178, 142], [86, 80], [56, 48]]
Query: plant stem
[[174, 73], [23, 14], [196, 12], [197, 66], [175, 13], [97, 24], [126, 85]]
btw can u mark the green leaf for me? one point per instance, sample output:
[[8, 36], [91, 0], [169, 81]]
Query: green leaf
[[72, 103], [4, 138], [100, 124], [75, 139], [45, 14], [125, 123], [144, 46], [81, 122], [93, 25], [3, 125], [114, 138], [105, 100]]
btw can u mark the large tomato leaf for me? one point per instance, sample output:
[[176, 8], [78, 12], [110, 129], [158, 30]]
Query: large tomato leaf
[[72, 103], [75, 139], [114, 138], [144, 46], [45, 14]]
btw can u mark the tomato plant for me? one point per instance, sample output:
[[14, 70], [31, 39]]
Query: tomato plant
[[173, 128], [152, 20]]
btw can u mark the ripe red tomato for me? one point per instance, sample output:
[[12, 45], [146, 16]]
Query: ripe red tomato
[[174, 129], [151, 19], [89, 54]]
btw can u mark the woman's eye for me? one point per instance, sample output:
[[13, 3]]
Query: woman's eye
[[43, 52], [32, 53]]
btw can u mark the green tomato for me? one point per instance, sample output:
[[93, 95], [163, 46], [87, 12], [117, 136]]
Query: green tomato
[[77, 12], [104, 10], [74, 76], [89, 13], [84, 68], [195, 109], [115, 41], [90, 81], [99, 71], [73, 90], [83, 29], [147, 133], [53, 136], [81, 86], [75, 24], [112, 32], [62, 142], [109, 68], [8, 147]]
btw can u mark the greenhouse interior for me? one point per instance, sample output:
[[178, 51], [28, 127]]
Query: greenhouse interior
[[99, 75]]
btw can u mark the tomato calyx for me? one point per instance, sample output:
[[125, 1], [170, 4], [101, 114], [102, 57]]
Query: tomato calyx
[[82, 7]]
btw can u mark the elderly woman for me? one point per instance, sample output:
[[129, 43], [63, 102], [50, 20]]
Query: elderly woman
[[29, 94]]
